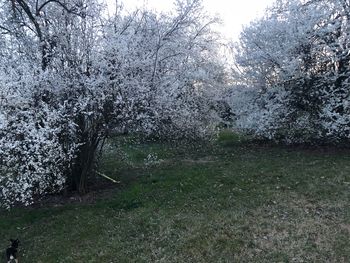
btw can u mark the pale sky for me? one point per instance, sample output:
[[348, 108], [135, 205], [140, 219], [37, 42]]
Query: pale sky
[[234, 13]]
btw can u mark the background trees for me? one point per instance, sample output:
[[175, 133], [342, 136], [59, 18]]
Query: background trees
[[71, 76], [296, 62]]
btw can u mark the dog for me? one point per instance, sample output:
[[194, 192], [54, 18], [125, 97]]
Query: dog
[[11, 252]]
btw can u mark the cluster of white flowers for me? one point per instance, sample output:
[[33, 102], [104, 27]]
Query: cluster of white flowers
[[152, 159], [336, 122], [33, 160], [295, 61]]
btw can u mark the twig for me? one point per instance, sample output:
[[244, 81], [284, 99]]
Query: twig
[[108, 178]]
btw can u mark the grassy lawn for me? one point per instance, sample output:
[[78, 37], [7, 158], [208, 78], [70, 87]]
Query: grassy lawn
[[233, 201]]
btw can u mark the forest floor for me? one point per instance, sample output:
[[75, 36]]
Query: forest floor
[[230, 201]]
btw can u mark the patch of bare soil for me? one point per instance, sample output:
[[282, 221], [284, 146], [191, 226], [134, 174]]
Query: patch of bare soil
[[98, 190], [204, 160]]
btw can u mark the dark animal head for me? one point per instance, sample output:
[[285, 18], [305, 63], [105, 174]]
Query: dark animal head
[[14, 243]]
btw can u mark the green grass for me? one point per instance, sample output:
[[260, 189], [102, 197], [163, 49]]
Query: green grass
[[233, 201]]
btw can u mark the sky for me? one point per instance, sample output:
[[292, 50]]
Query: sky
[[234, 13]]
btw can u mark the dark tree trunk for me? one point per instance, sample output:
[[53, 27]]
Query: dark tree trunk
[[84, 163]]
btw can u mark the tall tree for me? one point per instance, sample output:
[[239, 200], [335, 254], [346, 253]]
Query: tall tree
[[74, 76]]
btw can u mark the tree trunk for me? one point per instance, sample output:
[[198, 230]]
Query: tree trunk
[[86, 156]]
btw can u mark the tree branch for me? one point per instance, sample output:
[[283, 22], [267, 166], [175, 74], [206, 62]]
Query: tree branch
[[72, 11]]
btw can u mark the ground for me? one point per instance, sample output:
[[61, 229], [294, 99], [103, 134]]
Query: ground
[[233, 200]]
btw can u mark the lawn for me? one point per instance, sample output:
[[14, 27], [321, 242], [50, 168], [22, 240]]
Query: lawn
[[233, 200]]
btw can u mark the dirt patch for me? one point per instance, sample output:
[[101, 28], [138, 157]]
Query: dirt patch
[[204, 160], [98, 190]]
